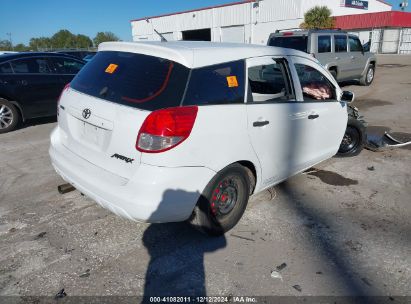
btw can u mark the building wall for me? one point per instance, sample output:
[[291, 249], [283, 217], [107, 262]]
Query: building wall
[[255, 19]]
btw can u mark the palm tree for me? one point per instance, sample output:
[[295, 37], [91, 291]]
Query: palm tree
[[318, 17]]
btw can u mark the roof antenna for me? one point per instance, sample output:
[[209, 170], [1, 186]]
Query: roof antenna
[[163, 39]]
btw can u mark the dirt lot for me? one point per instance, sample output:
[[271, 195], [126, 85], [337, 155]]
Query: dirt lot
[[342, 230]]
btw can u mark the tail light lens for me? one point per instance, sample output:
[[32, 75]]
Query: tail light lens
[[164, 129], [66, 87]]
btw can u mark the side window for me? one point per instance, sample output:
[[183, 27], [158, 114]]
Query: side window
[[5, 68], [66, 65], [217, 84], [269, 82], [324, 44], [355, 44], [314, 84], [31, 66], [340, 43]]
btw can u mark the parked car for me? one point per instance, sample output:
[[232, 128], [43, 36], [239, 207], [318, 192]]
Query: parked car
[[341, 53], [208, 125], [78, 54], [30, 84]]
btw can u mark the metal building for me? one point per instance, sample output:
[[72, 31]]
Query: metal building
[[388, 32], [249, 21]]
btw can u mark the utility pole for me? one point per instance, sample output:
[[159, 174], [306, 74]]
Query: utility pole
[[11, 42], [404, 5]]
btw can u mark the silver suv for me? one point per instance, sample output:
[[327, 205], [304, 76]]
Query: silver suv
[[341, 53]]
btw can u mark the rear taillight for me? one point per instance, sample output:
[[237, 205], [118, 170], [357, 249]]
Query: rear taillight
[[164, 129], [288, 34], [66, 87]]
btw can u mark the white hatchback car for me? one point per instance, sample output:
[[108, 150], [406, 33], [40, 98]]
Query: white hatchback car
[[175, 131]]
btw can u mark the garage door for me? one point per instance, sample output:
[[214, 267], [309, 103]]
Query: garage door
[[232, 34]]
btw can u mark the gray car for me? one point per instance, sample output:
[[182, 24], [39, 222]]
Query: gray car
[[341, 53]]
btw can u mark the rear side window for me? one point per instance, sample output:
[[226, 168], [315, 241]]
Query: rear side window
[[290, 42], [340, 43], [324, 44], [66, 65], [31, 66], [136, 80], [217, 84], [5, 68]]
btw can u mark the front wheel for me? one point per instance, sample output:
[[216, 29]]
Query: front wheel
[[368, 78], [223, 201], [354, 138]]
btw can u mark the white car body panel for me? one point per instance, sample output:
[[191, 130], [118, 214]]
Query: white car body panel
[[165, 187]]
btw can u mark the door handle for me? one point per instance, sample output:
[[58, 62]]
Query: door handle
[[260, 123], [313, 116]]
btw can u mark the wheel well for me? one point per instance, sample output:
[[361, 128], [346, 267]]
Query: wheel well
[[252, 172], [372, 63], [333, 68]]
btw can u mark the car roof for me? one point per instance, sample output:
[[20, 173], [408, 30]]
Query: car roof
[[6, 57], [194, 54], [306, 32]]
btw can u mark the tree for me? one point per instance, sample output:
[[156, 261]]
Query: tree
[[83, 42], [40, 44], [5, 45], [63, 39], [103, 37], [21, 47], [318, 17]]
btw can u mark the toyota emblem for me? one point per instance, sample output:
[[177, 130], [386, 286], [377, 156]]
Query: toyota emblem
[[86, 113]]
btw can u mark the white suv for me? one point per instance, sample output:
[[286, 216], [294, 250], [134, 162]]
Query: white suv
[[175, 131]]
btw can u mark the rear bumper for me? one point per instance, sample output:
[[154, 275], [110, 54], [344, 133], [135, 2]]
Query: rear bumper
[[153, 194]]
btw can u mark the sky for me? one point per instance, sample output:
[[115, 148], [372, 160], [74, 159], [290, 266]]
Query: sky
[[25, 19]]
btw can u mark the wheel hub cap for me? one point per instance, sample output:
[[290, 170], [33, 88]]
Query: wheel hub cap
[[6, 116], [224, 197], [370, 75]]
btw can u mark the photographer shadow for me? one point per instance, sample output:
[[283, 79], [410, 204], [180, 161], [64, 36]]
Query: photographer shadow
[[177, 250]]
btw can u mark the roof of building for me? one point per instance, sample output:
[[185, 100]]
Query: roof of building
[[194, 54], [374, 20]]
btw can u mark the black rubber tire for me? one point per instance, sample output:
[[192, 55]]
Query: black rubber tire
[[356, 130], [15, 116], [334, 73], [203, 217], [363, 80]]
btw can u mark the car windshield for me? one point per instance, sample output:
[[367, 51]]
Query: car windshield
[[136, 80], [290, 42]]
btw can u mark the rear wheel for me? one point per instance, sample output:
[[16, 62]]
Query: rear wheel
[[223, 201], [9, 116]]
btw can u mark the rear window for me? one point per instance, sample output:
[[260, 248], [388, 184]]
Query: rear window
[[136, 80], [290, 42]]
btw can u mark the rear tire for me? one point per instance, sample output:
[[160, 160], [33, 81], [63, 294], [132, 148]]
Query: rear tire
[[223, 201], [9, 116], [368, 78]]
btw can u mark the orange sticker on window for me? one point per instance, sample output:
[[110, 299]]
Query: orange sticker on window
[[232, 81], [111, 68]]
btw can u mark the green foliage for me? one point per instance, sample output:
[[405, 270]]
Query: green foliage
[[318, 17], [5, 45], [104, 37], [41, 43], [21, 48]]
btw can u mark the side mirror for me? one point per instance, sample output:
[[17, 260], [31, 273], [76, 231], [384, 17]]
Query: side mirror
[[347, 96]]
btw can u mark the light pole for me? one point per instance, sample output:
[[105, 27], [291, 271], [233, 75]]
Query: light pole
[[11, 42]]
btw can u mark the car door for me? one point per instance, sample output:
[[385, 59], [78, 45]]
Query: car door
[[277, 123], [325, 116], [66, 68], [342, 57], [358, 59], [35, 86]]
